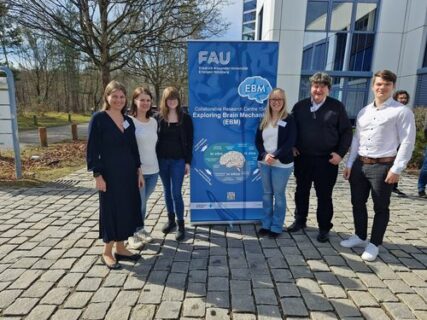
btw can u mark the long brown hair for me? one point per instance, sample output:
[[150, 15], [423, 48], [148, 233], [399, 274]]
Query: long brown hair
[[268, 116], [170, 93], [109, 89], [136, 93]]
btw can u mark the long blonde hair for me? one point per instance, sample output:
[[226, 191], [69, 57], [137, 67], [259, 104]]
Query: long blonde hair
[[109, 89], [169, 93], [268, 116]]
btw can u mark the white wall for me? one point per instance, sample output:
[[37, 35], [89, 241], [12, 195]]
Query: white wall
[[284, 21], [400, 40]]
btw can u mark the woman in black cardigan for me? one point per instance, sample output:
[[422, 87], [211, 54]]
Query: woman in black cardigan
[[174, 152], [275, 139]]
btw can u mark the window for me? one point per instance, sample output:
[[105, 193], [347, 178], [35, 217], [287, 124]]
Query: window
[[351, 91], [341, 15], [249, 36], [421, 92], [249, 5], [249, 16], [365, 17], [361, 52], [249, 27], [349, 29], [316, 15]]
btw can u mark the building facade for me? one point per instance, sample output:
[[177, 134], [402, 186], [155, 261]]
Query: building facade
[[249, 19], [349, 39]]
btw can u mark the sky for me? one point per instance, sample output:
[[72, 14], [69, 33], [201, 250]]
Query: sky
[[232, 13]]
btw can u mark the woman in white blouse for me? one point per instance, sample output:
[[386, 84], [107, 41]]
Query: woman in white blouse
[[146, 138], [275, 138]]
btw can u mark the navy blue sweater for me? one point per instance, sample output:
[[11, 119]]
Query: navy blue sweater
[[324, 131], [285, 142]]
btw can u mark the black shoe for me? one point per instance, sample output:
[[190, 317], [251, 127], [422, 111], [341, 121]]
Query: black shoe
[[134, 257], [273, 235], [422, 194], [114, 266], [170, 225], [399, 193], [263, 232], [296, 226], [180, 233], [323, 236]]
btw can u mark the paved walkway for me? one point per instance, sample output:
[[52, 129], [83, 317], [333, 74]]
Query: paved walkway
[[50, 264], [54, 134]]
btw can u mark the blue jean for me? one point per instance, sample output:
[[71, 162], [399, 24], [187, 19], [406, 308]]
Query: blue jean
[[422, 180], [274, 181], [172, 176], [150, 181]]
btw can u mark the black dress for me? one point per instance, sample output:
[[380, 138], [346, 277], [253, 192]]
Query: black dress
[[114, 154]]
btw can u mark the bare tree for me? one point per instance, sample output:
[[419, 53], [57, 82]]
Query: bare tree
[[111, 32], [10, 34]]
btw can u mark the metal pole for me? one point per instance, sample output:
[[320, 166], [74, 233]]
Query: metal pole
[[12, 100]]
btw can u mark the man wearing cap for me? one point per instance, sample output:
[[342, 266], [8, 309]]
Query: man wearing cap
[[375, 164], [324, 136]]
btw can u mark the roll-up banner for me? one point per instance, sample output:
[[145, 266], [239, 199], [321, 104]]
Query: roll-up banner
[[229, 84]]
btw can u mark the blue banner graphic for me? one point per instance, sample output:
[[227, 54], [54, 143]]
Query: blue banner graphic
[[229, 85]]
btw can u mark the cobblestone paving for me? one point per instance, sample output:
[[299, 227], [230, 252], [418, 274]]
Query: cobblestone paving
[[50, 264]]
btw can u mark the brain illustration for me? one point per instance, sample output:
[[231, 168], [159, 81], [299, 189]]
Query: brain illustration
[[232, 159]]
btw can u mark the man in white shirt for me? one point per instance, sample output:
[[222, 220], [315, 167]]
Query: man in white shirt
[[374, 164]]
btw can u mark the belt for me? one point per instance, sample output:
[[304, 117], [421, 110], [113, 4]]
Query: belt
[[367, 160]]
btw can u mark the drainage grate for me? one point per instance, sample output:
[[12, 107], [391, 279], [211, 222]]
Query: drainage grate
[[61, 183]]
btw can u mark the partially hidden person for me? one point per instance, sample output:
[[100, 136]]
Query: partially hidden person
[[146, 138], [422, 179], [174, 152]]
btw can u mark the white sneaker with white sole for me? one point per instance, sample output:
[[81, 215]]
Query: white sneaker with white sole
[[370, 253], [143, 235], [353, 241], [134, 243]]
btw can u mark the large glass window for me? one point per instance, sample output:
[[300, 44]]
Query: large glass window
[[316, 15], [249, 5], [341, 15], [351, 91], [365, 17], [248, 27], [249, 16], [361, 52], [349, 39]]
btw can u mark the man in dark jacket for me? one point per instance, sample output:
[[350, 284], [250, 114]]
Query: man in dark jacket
[[324, 137]]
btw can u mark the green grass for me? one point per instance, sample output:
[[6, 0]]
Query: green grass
[[48, 119]]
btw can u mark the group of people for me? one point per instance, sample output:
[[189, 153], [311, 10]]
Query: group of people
[[314, 140], [127, 153]]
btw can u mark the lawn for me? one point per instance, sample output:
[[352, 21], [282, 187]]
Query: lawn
[[41, 165], [48, 119]]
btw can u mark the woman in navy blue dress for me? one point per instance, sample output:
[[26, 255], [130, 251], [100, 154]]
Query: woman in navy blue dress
[[113, 157]]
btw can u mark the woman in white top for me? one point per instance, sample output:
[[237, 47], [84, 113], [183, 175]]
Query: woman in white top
[[146, 138], [275, 138]]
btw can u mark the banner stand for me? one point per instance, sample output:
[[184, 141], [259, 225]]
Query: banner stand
[[229, 84]]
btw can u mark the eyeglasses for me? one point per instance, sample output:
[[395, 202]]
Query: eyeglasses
[[276, 99]]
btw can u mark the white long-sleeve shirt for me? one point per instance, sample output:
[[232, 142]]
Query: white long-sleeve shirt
[[379, 132]]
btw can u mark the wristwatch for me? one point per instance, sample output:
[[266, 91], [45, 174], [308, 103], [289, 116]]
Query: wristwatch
[[96, 174]]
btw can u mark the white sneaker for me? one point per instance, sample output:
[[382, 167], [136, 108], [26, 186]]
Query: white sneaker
[[370, 253], [143, 235], [353, 241], [135, 243]]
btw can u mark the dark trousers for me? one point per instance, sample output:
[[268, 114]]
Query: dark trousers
[[365, 179], [317, 170]]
